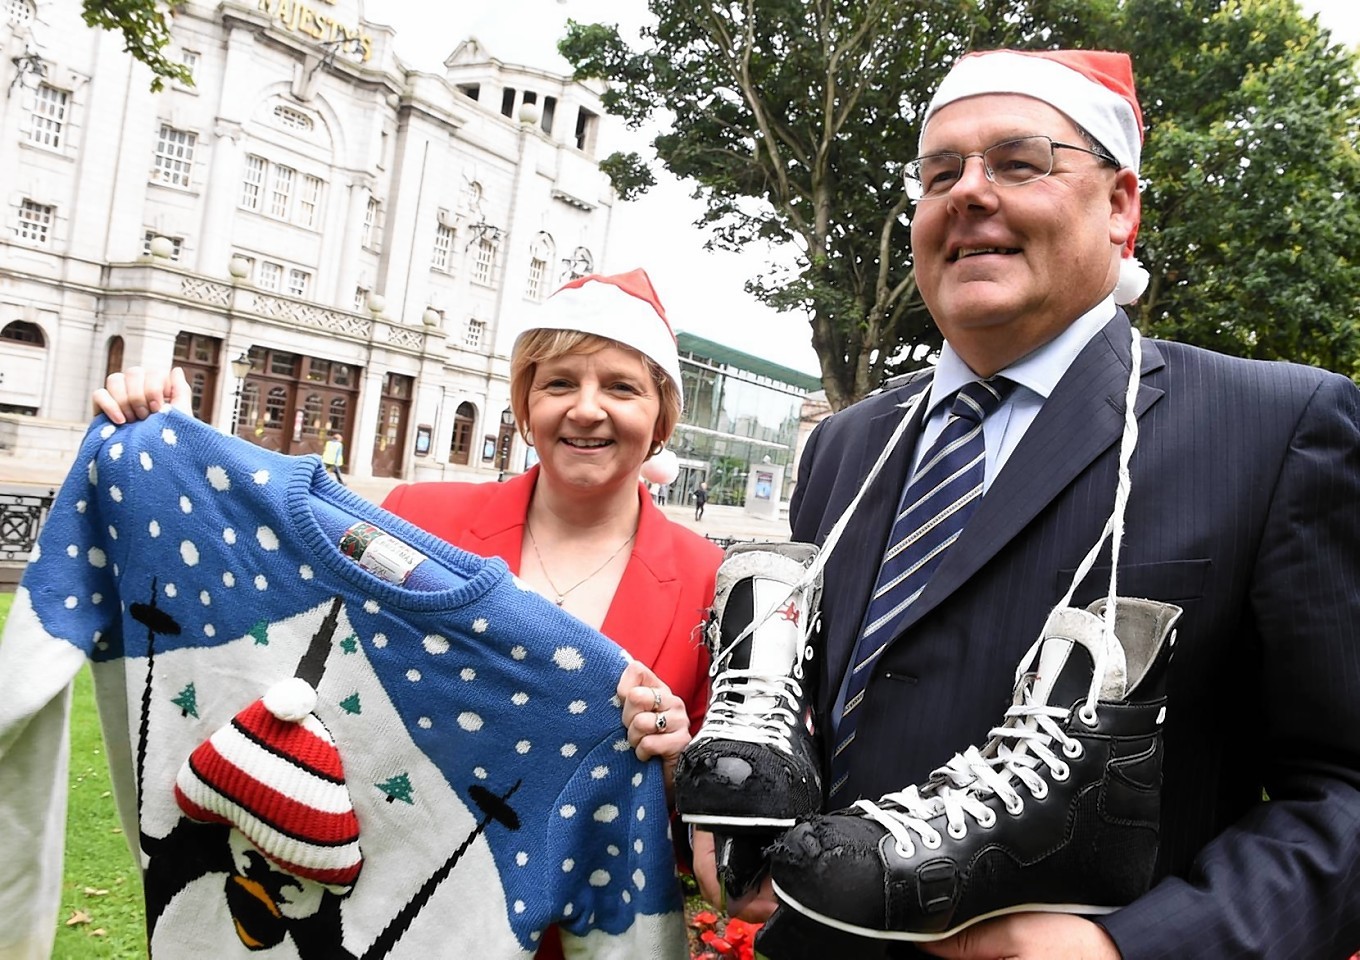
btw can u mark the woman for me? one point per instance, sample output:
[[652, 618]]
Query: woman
[[595, 388]]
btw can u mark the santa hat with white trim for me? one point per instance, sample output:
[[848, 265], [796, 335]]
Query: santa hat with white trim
[[275, 774], [622, 307], [1094, 88]]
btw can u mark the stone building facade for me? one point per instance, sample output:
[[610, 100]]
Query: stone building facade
[[365, 235]]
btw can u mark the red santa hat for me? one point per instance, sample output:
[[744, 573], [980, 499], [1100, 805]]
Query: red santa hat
[[1094, 88], [623, 307], [274, 774]]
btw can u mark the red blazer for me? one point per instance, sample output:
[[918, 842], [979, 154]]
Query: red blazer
[[660, 604]]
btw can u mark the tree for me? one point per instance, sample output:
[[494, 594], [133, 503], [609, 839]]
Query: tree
[[187, 701], [145, 35], [794, 118], [1251, 217]]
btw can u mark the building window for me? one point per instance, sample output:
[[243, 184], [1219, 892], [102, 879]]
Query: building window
[[474, 334], [253, 182], [443, 248], [291, 118], [35, 221], [190, 58], [298, 281], [174, 156], [49, 116], [21, 331], [372, 213], [460, 448], [270, 276], [176, 242], [585, 130], [281, 191], [483, 261], [538, 271], [360, 299], [310, 201]]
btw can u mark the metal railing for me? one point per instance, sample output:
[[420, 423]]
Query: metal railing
[[21, 517]]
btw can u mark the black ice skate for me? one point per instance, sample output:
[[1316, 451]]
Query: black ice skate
[[752, 765], [1058, 812]]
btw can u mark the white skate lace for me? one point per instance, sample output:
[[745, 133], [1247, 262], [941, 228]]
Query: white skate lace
[[1017, 749], [1028, 740], [752, 706]]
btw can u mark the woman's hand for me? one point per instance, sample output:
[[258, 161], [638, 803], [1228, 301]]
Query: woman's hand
[[136, 393], [656, 719]]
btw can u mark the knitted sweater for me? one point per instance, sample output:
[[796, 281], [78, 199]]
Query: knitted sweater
[[313, 761]]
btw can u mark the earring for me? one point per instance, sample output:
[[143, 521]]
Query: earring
[[529, 437], [656, 447]]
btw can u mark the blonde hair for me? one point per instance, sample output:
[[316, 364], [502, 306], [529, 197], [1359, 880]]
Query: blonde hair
[[539, 346]]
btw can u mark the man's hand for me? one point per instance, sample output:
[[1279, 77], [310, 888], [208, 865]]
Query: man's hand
[[1028, 936], [753, 907]]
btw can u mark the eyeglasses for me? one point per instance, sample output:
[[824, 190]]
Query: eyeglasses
[[1007, 164]]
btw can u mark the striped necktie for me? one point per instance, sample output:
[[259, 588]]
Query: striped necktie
[[937, 503]]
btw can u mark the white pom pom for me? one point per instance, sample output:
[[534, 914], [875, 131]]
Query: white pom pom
[[290, 699], [662, 468], [1133, 280]]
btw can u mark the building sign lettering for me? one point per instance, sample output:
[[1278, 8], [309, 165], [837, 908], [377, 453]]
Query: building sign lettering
[[299, 18]]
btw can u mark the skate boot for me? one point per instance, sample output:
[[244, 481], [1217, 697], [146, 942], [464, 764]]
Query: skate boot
[[752, 766], [1058, 812]]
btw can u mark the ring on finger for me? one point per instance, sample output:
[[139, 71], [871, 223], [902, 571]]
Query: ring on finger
[[660, 722], [656, 699]]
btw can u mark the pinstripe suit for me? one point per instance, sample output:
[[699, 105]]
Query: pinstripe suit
[[1245, 511]]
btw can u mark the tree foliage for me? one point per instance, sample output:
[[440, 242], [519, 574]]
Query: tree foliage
[[794, 118], [146, 34]]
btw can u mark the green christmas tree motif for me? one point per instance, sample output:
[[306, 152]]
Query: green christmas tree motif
[[351, 704], [261, 633], [398, 788], [187, 701], [350, 643]]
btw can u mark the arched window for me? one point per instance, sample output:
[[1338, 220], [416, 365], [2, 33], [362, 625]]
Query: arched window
[[22, 331], [250, 404], [311, 415], [274, 405], [338, 410], [579, 264], [540, 257], [460, 448]]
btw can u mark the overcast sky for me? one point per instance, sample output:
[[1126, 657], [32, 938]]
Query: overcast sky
[[702, 291]]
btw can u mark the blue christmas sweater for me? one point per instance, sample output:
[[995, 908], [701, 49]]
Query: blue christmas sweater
[[311, 760]]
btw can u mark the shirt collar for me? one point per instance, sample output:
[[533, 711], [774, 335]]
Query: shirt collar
[[1038, 371]]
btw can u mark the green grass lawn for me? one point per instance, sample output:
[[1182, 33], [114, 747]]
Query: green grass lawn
[[101, 890]]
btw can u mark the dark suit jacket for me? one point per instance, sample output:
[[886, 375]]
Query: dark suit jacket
[[1245, 510]]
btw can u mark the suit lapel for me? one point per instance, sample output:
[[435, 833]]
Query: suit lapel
[[645, 602], [498, 530], [1070, 432], [862, 544]]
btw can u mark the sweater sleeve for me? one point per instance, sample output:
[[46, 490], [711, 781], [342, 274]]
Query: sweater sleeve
[[611, 862], [53, 625]]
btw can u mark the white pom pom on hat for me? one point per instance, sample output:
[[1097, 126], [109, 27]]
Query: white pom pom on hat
[[664, 467], [1094, 88], [622, 307]]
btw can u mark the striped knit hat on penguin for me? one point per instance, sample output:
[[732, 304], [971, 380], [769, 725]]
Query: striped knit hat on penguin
[[1094, 88], [622, 307], [274, 773]]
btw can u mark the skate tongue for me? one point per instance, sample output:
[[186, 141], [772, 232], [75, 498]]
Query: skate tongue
[[773, 646], [1070, 651]]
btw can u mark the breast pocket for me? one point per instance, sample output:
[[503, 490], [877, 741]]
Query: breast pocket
[[1171, 581]]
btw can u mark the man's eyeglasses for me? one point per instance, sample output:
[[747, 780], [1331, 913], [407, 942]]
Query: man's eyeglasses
[[1007, 164]]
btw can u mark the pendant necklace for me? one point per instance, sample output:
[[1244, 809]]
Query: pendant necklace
[[560, 595]]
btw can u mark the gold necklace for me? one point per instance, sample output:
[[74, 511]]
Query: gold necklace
[[561, 595]]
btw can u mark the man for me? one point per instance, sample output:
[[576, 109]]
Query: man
[[333, 455], [1243, 511], [700, 495]]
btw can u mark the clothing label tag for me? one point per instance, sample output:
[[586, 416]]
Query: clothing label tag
[[380, 553]]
